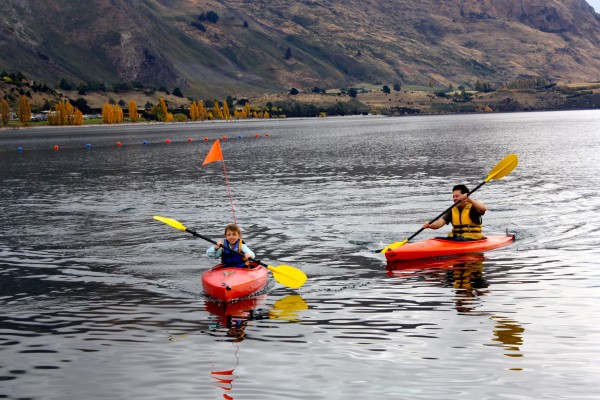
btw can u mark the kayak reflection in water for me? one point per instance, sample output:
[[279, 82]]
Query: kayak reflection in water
[[465, 217], [236, 317]]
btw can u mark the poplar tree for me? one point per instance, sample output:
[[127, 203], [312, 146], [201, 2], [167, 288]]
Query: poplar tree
[[4, 112], [133, 114], [77, 117], [112, 113], [164, 110], [24, 110], [226, 112], [217, 113], [202, 111], [194, 111]]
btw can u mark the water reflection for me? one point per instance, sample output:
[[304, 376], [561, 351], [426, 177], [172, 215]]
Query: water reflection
[[235, 317], [510, 334], [463, 273]]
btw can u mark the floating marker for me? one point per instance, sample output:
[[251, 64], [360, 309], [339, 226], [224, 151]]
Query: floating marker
[[145, 142], [206, 139], [87, 146], [20, 149], [55, 147], [266, 134], [224, 137], [257, 135], [118, 144], [239, 136], [190, 139], [168, 141]]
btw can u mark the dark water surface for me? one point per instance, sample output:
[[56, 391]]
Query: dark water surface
[[98, 300]]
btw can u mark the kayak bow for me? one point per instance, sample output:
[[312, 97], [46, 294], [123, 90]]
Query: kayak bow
[[229, 283]]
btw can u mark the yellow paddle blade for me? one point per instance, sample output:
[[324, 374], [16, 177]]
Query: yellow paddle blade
[[288, 308], [504, 167], [288, 276], [169, 221], [393, 246]]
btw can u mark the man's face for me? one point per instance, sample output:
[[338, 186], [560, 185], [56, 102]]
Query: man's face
[[456, 195]]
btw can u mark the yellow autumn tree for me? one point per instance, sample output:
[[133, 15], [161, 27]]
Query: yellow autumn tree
[[4, 112], [106, 113], [194, 111], [69, 113], [226, 112], [247, 109], [203, 114], [112, 113], [133, 114], [161, 111], [217, 113], [64, 113], [24, 110], [77, 117]]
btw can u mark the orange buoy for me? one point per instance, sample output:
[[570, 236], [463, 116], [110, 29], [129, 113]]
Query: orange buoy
[[257, 135], [224, 137], [266, 134], [190, 139], [206, 139], [168, 141], [55, 147], [118, 144]]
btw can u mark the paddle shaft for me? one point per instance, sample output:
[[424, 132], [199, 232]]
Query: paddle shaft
[[224, 248], [444, 212]]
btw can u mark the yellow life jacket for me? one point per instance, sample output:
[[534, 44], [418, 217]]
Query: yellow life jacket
[[462, 226]]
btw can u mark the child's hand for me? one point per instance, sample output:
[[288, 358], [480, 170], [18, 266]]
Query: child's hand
[[248, 255], [219, 244]]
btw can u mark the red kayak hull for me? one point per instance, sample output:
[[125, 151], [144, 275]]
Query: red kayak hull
[[442, 248], [227, 283]]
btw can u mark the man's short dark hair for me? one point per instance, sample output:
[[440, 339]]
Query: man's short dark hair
[[463, 189]]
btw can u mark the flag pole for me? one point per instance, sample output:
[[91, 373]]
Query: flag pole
[[229, 191]]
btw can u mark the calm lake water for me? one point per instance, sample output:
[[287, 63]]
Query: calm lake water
[[98, 300]]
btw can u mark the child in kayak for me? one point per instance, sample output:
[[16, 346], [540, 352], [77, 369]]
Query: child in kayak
[[233, 241]]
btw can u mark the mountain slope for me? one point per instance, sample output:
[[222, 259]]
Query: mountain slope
[[260, 46]]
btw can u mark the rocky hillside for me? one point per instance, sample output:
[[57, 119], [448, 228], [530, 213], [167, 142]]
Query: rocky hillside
[[216, 48]]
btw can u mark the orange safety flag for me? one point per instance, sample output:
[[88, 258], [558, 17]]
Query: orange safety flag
[[214, 154]]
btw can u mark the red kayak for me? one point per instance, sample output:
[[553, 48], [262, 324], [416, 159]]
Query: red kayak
[[228, 283], [439, 247]]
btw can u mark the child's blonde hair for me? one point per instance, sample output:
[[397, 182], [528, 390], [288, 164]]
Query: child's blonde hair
[[233, 228]]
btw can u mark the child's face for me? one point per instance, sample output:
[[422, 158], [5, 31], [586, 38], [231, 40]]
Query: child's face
[[232, 236]]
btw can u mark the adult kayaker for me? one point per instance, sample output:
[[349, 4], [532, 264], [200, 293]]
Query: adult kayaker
[[465, 216], [233, 240]]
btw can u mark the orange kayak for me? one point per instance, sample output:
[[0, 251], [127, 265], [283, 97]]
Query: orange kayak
[[438, 247], [228, 283]]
